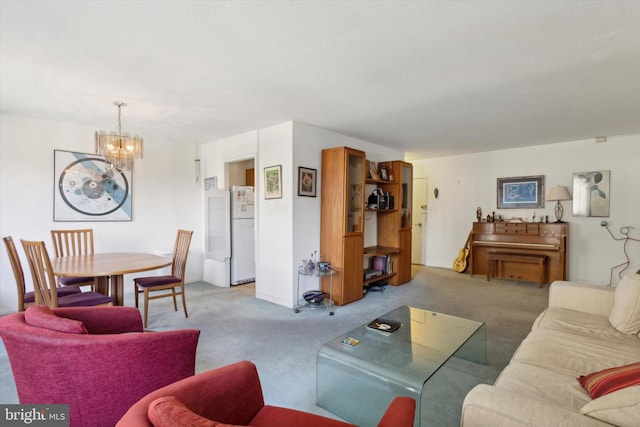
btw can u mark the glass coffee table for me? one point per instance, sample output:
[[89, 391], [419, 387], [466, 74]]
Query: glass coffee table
[[357, 381]]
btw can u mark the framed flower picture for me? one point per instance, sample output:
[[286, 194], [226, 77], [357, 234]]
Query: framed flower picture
[[273, 182]]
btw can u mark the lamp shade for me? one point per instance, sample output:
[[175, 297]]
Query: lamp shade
[[559, 192]]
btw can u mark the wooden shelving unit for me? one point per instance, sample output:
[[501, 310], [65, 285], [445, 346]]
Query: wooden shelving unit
[[344, 195], [394, 225]]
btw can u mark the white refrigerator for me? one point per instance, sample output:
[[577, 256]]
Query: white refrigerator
[[243, 265]]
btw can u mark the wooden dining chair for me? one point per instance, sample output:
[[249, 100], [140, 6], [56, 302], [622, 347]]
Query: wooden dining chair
[[74, 242], [173, 283], [44, 282], [25, 298]]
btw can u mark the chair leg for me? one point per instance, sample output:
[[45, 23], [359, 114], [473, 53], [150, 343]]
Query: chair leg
[[136, 291], [184, 302], [173, 294], [146, 306]]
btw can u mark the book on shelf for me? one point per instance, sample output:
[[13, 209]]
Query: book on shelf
[[372, 168], [380, 263]]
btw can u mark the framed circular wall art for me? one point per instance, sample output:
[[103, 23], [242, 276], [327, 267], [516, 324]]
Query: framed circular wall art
[[86, 191]]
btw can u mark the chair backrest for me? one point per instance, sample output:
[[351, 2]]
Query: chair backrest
[[44, 282], [180, 252], [100, 374], [18, 272], [72, 242]]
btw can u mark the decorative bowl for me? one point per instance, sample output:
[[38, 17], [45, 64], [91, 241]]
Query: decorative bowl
[[314, 297]]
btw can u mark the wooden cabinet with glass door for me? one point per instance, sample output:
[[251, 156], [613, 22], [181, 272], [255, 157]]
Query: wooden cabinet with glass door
[[342, 221]]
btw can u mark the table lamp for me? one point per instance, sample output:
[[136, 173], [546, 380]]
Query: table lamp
[[559, 193]]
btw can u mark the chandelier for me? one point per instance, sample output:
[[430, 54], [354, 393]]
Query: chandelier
[[119, 149]]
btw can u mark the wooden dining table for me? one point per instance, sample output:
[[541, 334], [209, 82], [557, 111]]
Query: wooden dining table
[[108, 268]]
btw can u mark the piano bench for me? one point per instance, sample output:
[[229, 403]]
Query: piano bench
[[495, 257]]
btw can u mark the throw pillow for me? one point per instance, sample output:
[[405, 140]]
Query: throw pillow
[[170, 412], [620, 408], [41, 316], [609, 380], [625, 314]]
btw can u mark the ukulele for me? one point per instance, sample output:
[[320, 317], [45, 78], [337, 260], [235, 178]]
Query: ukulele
[[461, 263]]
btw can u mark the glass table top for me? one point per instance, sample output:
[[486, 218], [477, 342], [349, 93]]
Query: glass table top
[[413, 353]]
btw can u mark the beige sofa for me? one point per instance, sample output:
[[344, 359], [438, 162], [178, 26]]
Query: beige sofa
[[574, 336]]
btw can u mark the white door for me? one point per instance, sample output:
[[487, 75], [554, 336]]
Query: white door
[[419, 218]]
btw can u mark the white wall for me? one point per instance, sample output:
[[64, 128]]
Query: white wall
[[165, 197], [468, 181], [308, 143], [274, 243], [288, 228]]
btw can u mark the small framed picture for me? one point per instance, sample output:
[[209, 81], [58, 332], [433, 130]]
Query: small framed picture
[[383, 173], [273, 182], [210, 183], [306, 182]]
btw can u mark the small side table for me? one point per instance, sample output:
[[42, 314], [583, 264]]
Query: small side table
[[326, 303]]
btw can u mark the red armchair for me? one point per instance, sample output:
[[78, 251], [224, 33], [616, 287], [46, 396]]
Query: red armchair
[[232, 394], [99, 374]]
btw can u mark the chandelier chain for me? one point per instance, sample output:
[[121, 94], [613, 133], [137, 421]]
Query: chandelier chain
[[120, 104]]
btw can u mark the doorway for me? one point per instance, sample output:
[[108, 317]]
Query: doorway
[[419, 228], [243, 234]]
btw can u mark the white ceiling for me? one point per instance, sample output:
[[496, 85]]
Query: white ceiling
[[431, 78]]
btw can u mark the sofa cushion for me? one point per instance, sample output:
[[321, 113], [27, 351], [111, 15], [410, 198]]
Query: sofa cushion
[[542, 384], [584, 324], [625, 315], [170, 412], [621, 408], [41, 316], [610, 380], [573, 354]]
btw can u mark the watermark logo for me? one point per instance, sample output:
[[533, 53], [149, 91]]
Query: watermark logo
[[34, 415]]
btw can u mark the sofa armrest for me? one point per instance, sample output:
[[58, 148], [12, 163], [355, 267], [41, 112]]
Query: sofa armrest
[[489, 406], [104, 320], [582, 297], [400, 413], [230, 394]]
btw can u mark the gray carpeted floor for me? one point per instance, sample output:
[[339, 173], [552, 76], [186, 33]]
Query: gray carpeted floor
[[236, 326]]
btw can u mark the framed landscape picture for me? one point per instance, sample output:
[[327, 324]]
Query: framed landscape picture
[[273, 182], [521, 192]]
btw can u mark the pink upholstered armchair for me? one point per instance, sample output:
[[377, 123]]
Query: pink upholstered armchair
[[99, 374], [232, 395]]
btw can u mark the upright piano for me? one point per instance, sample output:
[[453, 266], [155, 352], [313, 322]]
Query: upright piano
[[518, 250]]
